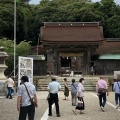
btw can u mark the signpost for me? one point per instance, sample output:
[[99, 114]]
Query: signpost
[[25, 68]]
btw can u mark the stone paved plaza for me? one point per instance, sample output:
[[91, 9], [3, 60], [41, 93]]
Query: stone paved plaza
[[8, 110]]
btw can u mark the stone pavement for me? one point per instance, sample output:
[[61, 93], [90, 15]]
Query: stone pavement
[[92, 111]]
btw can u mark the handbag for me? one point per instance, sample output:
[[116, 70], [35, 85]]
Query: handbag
[[33, 102], [80, 104], [101, 90]]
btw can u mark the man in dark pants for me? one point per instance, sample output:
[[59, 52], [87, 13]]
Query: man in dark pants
[[24, 104], [102, 85], [53, 89], [116, 88], [102, 96]]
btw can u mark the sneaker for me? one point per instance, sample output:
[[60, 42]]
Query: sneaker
[[102, 109], [49, 114], [117, 106], [6, 96], [58, 115]]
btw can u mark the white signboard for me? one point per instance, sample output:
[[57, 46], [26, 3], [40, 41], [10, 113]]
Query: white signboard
[[25, 67]]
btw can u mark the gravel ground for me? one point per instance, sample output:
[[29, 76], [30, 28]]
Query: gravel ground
[[8, 109], [92, 111]]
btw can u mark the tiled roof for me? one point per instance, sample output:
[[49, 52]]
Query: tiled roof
[[110, 57], [109, 47], [71, 32]]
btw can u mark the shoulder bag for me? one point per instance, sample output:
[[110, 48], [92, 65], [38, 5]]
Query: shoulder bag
[[33, 102], [74, 86], [101, 90]]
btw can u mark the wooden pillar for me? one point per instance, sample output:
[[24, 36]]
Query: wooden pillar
[[89, 61], [56, 62], [50, 67]]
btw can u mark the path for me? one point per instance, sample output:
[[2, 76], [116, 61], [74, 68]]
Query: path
[[92, 109]]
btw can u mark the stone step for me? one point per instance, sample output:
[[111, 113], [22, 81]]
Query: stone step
[[86, 89], [89, 85]]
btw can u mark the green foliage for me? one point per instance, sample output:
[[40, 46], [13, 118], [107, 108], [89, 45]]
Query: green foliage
[[31, 17], [79, 11], [22, 49], [7, 19], [114, 26]]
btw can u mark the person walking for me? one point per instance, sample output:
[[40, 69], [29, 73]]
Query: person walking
[[74, 92], [116, 88], [102, 89], [80, 93], [66, 89], [10, 84], [53, 89], [26, 92]]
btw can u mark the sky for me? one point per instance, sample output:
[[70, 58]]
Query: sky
[[37, 1]]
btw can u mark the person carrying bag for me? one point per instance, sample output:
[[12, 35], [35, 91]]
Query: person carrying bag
[[74, 92], [27, 99], [80, 105], [102, 89], [116, 88], [33, 102]]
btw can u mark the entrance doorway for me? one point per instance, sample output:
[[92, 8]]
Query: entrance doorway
[[66, 62]]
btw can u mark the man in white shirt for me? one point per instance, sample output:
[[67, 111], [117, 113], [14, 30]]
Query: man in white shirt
[[24, 104], [10, 84], [53, 89]]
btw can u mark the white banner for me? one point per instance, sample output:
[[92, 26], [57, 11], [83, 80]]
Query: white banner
[[25, 68]]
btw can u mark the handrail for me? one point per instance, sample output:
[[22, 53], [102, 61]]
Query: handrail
[[13, 70]]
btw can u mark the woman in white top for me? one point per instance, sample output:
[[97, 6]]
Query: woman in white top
[[80, 94], [80, 89]]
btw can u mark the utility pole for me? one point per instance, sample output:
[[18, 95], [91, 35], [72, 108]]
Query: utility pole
[[14, 37]]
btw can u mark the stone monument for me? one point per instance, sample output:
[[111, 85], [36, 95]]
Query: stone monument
[[3, 56]]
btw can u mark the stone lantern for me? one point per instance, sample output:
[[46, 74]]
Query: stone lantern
[[3, 56]]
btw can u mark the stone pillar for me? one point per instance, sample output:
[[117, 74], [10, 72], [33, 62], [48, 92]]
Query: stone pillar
[[88, 61], [3, 87]]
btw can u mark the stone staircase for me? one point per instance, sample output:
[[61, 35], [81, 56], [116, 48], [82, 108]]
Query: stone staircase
[[42, 82]]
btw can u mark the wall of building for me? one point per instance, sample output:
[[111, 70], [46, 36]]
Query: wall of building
[[107, 67]]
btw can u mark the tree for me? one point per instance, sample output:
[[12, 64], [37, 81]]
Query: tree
[[27, 1], [22, 49], [112, 29], [31, 17], [108, 7], [7, 19]]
